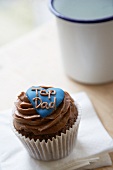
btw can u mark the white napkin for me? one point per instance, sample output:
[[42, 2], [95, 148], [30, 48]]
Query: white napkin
[[91, 151]]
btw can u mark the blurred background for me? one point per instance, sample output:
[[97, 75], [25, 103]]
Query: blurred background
[[18, 17]]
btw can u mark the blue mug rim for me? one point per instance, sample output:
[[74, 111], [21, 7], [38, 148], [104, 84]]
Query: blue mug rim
[[59, 15]]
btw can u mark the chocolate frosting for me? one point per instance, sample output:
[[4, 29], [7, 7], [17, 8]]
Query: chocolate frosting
[[27, 119]]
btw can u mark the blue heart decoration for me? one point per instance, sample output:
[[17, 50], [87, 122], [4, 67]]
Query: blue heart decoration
[[52, 96]]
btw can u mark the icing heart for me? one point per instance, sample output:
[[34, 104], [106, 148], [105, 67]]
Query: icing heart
[[45, 100]]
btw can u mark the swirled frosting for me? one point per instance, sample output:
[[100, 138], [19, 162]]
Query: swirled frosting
[[27, 122]]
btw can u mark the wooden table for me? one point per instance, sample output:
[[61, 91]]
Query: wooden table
[[35, 60]]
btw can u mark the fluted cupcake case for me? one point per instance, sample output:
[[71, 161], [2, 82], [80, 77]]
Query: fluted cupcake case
[[54, 149]]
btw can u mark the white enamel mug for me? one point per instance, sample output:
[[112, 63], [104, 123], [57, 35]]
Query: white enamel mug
[[86, 38]]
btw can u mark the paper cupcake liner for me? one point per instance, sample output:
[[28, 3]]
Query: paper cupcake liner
[[54, 149]]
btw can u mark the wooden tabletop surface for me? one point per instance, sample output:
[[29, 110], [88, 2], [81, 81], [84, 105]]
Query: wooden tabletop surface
[[35, 60]]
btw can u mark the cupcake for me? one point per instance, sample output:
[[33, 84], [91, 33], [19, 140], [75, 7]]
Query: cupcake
[[46, 120]]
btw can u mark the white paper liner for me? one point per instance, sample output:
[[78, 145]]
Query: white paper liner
[[58, 148]]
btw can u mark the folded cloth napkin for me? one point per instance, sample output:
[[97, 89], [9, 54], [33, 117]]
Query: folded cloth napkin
[[91, 150]]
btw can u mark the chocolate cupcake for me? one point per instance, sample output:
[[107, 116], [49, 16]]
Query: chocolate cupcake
[[46, 120]]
